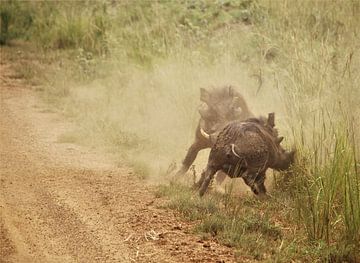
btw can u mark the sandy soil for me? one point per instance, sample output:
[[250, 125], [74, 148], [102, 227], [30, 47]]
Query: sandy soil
[[64, 203]]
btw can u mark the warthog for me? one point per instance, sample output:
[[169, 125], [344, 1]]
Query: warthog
[[247, 149], [220, 106]]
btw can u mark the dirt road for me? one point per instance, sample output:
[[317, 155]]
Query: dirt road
[[63, 203]]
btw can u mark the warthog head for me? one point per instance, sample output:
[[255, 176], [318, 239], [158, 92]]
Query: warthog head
[[219, 107]]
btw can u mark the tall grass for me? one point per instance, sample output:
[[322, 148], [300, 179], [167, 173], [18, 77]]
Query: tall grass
[[319, 73], [132, 75], [327, 186]]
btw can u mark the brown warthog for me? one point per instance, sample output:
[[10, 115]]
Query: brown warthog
[[247, 149], [220, 106]]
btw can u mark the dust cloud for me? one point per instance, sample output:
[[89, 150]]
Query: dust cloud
[[149, 116]]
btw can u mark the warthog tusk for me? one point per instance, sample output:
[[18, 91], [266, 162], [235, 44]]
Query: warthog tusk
[[233, 150], [279, 140], [203, 133]]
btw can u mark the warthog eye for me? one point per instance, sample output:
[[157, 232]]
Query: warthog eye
[[207, 112]]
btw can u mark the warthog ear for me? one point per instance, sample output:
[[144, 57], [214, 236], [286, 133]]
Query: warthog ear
[[204, 95], [271, 120]]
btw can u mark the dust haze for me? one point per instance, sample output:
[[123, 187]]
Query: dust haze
[[150, 116]]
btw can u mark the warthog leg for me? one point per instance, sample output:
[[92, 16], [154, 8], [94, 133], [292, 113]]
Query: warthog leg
[[206, 178], [191, 155], [255, 180], [260, 184], [220, 177], [201, 180]]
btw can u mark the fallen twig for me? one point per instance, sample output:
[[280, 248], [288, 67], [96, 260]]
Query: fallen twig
[[128, 238]]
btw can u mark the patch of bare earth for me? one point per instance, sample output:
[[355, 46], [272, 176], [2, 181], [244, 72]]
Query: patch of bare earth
[[63, 203]]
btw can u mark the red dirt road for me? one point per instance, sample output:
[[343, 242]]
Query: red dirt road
[[61, 202]]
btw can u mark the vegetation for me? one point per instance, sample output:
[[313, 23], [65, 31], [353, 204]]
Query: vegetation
[[260, 231], [128, 73]]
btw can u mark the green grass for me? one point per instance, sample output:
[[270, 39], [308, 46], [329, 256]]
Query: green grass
[[323, 108], [263, 231], [129, 72]]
